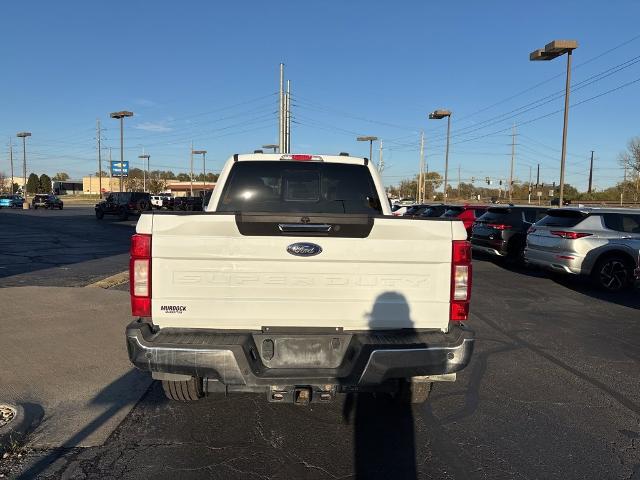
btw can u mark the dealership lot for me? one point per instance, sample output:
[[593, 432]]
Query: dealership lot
[[551, 392]]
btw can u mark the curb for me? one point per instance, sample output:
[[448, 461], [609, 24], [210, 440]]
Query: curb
[[28, 416], [112, 281]]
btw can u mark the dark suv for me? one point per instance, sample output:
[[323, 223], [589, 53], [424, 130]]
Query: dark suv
[[502, 231], [45, 200], [124, 204], [187, 203]]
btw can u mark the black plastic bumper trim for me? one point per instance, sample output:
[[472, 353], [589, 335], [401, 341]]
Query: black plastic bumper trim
[[234, 358]]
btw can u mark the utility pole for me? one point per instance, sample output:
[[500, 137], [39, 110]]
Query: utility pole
[[529, 197], [459, 181], [281, 142], [191, 159], [421, 177], [538, 177], [513, 156], [99, 137], [11, 162], [590, 174], [380, 160], [287, 119], [624, 183]]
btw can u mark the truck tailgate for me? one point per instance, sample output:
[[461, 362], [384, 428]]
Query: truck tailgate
[[206, 274]]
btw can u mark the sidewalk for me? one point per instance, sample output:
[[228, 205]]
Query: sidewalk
[[64, 349]]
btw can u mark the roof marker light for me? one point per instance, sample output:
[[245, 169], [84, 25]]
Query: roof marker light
[[298, 157]]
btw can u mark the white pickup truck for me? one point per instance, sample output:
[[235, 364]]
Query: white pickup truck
[[297, 281]]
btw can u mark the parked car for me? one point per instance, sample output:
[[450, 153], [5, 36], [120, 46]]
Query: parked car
[[502, 230], [399, 210], [434, 211], [263, 296], [189, 204], [168, 202], [466, 213], [602, 243], [157, 201], [11, 201], [46, 200], [123, 204], [556, 201], [416, 210]]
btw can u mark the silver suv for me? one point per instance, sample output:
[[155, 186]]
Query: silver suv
[[600, 242]]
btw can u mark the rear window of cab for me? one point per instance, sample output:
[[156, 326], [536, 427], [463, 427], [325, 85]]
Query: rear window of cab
[[301, 187]]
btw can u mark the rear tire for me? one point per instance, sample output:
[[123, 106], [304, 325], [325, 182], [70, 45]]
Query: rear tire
[[188, 391], [99, 214], [61, 207], [612, 273], [35, 207], [412, 392]]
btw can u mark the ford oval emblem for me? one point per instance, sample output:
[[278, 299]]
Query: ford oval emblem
[[304, 249]]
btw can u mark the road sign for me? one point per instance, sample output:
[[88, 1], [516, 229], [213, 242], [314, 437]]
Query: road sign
[[551, 193], [539, 194], [119, 169]]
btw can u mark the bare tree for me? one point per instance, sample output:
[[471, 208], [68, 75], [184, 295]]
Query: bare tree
[[630, 160], [631, 157]]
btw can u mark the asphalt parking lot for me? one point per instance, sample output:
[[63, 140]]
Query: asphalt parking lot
[[552, 390], [61, 247]]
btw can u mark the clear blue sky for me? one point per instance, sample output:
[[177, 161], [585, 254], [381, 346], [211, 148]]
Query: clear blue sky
[[208, 71]]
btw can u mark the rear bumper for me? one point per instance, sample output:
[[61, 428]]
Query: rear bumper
[[563, 262], [350, 359], [488, 250]]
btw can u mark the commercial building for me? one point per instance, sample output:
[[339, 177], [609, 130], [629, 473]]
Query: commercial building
[[183, 189], [90, 185]]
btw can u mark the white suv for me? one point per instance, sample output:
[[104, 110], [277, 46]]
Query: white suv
[[600, 242], [156, 200]]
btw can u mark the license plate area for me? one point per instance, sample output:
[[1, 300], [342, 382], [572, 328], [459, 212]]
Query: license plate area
[[302, 351]]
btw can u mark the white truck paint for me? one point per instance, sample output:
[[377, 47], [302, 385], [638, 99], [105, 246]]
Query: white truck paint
[[206, 274]]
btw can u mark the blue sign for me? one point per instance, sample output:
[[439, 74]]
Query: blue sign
[[119, 169]]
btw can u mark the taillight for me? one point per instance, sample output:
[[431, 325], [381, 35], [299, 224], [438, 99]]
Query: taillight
[[498, 226], [460, 280], [140, 275], [570, 235]]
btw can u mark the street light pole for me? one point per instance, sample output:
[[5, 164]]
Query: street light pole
[[24, 135], [369, 139], [553, 50], [565, 127], [11, 163], [271, 145], [438, 115], [121, 116]]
